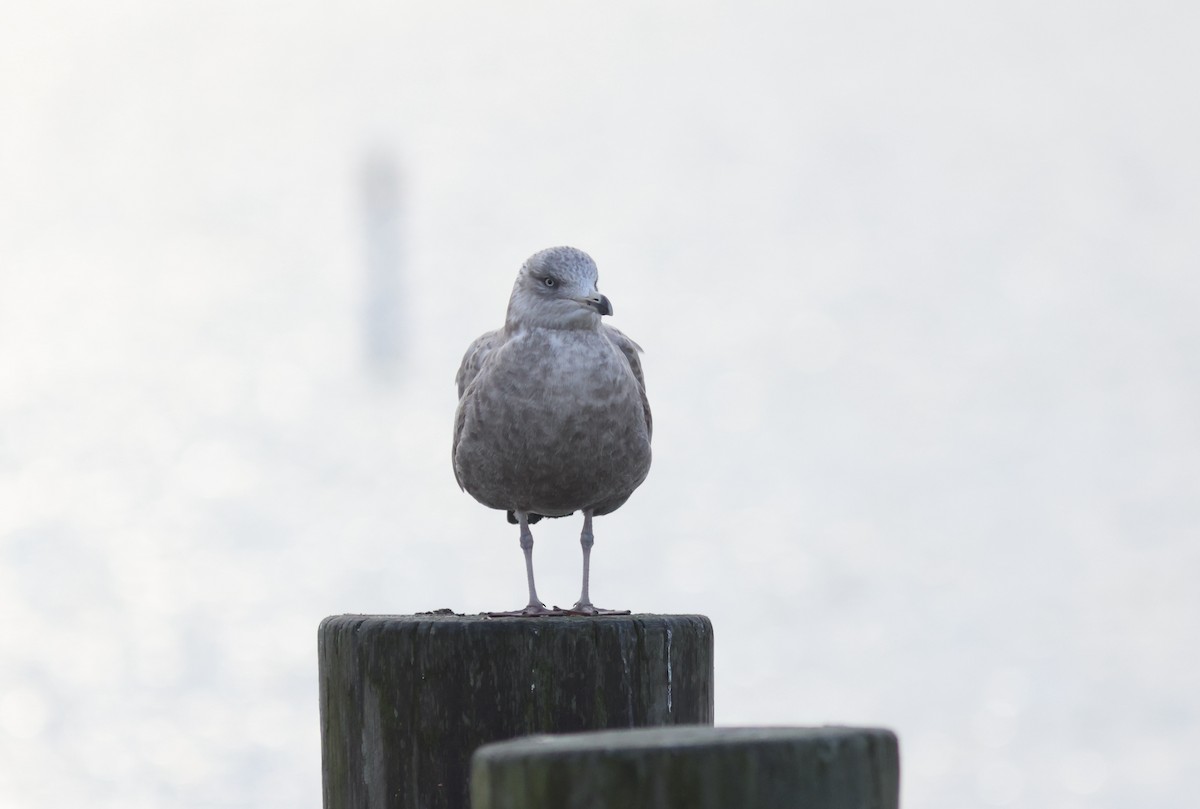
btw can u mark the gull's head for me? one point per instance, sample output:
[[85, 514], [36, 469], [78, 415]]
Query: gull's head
[[556, 289]]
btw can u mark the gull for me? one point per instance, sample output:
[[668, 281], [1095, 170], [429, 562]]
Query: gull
[[552, 413]]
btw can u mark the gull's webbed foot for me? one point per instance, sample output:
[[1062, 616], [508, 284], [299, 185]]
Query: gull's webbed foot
[[588, 608], [536, 609]]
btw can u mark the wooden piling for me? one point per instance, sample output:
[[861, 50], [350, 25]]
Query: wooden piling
[[406, 700], [691, 768]]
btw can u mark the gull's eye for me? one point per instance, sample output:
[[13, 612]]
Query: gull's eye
[[549, 282]]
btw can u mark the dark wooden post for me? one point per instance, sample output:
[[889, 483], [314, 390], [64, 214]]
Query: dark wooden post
[[691, 768], [406, 700]]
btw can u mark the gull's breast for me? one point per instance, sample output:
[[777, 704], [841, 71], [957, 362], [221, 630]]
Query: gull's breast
[[555, 424]]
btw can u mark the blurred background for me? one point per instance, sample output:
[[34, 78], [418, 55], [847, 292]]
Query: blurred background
[[918, 290]]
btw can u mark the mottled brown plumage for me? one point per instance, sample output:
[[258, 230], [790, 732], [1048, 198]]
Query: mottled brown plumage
[[552, 415]]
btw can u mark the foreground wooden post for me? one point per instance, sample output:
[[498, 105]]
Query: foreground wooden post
[[691, 768], [406, 699]]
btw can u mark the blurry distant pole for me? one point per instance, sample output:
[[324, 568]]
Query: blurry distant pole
[[382, 309]]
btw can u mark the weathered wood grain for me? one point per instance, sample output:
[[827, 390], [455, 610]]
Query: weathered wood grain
[[691, 768], [406, 700]]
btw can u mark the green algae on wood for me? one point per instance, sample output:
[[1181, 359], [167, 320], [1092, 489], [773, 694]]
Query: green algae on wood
[[406, 700], [692, 768]]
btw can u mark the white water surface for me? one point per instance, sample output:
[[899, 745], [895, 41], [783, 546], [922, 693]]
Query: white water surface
[[918, 290]]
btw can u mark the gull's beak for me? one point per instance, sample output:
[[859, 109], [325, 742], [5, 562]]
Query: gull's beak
[[598, 302]]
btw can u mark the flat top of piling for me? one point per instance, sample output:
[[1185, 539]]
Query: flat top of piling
[[680, 736], [446, 617]]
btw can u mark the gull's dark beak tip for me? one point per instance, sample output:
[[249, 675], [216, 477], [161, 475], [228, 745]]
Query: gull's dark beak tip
[[604, 306]]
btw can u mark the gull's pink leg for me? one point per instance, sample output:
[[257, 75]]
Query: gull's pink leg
[[535, 607], [584, 605]]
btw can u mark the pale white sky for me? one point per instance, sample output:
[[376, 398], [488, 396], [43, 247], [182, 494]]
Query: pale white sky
[[917, 286]]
